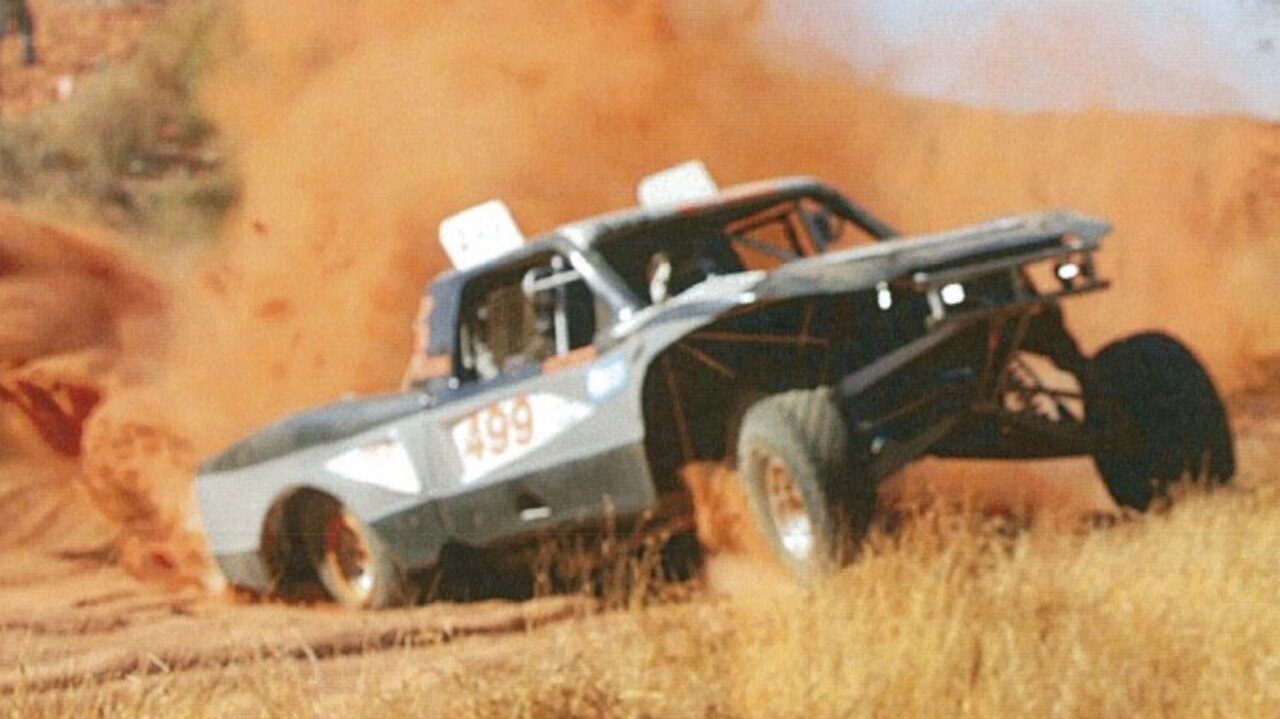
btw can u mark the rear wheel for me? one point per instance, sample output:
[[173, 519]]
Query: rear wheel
[[793, 460], [350, 561], [1157, 418]]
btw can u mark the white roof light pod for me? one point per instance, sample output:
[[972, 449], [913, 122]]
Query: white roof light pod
[[687, 182], [480, 234]]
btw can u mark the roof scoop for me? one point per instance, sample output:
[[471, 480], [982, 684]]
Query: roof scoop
[[480, 234], [685, 183]]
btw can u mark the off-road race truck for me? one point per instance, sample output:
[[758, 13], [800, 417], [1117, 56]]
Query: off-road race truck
[[776, 325]]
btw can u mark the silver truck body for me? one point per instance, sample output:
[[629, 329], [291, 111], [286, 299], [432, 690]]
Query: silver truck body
[[572, 441]]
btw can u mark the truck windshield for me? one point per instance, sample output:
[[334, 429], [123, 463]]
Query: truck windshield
[[665, 261]]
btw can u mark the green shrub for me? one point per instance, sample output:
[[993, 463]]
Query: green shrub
[[131, 147]]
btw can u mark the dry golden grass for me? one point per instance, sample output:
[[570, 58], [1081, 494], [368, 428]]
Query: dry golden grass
[[1171, 614]]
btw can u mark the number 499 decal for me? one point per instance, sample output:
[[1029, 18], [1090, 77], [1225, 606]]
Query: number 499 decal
[[493, 430], [493, 436]]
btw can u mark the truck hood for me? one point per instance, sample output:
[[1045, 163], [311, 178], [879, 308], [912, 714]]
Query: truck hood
[[863, 267], [319, 426]]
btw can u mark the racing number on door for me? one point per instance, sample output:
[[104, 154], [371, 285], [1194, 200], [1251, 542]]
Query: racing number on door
[[500, 433], [498, 428]]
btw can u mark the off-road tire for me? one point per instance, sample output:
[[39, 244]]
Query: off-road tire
[[1156, 417], [350, 560], [793, 460]]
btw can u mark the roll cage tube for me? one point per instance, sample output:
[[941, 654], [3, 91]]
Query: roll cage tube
[[857, 215], [753, 236], [744, 200], [609, 285]]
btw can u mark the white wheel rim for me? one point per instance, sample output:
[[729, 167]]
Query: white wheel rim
[[347, 556], [786, 508]]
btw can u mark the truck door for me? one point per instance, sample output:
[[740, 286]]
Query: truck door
[[543, 437]]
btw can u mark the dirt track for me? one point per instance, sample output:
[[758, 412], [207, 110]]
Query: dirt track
[[76, 619], [71, 616]]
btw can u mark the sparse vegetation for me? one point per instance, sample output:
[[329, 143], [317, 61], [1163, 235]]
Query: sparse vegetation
[[131, 145], [1168, 615]]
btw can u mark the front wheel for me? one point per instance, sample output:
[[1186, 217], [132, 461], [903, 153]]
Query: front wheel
[[1156, 418], [793, 461]]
